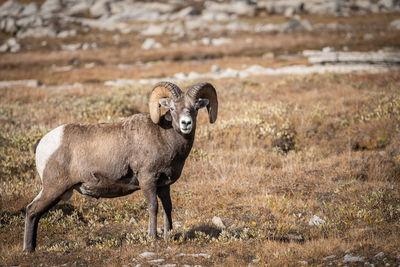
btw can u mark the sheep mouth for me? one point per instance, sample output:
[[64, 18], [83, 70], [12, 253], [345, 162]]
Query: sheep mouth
[[186, 130]]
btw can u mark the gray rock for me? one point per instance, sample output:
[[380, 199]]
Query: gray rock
[[11, 45], [3, 48], [156, 261], [315, 220], [236, 7], [30, 21], [100, 9], [136, 14], [348, 258], [147, 254], [215, 68], [37, 32], [67, 33], [292, 25], [10, 8], [150, 43], [9, 25], [183, 14], [71, 47], [80, 8], [155, 29], [133, 220], [27, 83], [51, 6], [326, 7], [210, 15], [195, 255], [30, 9], [307, 25], [220, 41], [331, 257], [218, 222], [395, 24]]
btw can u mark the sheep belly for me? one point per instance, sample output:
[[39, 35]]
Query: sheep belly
[[101, 186]]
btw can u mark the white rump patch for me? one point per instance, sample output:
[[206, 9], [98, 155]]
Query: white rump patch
[[47, 146]]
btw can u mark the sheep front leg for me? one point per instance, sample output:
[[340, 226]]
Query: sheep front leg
[[165, 197], [152, 203]]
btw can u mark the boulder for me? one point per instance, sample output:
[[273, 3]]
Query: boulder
[[150, 43], [395, 24], [80, 8], [30, 21], [135, 14], [155, 29], [100, 9], [292, 25], [8, 24], [30, 10], [50, 7], [11, 8], [37, 32], [242, 8]]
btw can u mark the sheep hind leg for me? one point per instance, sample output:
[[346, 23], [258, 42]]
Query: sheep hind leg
[[45, 200]]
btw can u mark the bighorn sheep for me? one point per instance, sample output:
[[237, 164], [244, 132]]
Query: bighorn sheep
[[144, 151]]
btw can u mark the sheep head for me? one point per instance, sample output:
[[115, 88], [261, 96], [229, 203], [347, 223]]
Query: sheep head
[[183, 107]]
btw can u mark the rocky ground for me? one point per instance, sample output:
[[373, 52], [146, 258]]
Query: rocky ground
[[301, 168]]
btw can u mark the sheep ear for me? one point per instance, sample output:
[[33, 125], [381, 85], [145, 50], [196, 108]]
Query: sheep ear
[[201, 103], [165, 102]]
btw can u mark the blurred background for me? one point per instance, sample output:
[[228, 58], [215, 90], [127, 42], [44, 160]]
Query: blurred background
[[67, 42]]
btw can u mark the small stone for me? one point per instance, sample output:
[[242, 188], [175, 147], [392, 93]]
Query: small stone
[[65, 34], [315, 220], [218, 222], [328, 49], [150, 43], [220, 41], [27, 83], [348, 258], [303, 262], [4, 48], [215, 68], [71, 47], [157, 261], [147, 254], [169, 265], [368, 36], [132, 220], [395, 24], [329, 257]]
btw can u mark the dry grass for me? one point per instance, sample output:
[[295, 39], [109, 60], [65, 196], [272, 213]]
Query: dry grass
[[282, 150], [291, 147]]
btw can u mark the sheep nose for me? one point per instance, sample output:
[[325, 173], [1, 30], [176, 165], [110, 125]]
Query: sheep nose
[[186, 122]]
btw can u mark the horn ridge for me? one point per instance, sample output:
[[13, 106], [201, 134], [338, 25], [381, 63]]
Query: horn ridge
[[161, 90], [173, 88], [205, 90]]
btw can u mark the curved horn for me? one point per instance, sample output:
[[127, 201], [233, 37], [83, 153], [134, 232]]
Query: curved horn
[[160, 90], [205, 90]]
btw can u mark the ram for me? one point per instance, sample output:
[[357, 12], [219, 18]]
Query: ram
[[144, 151]]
